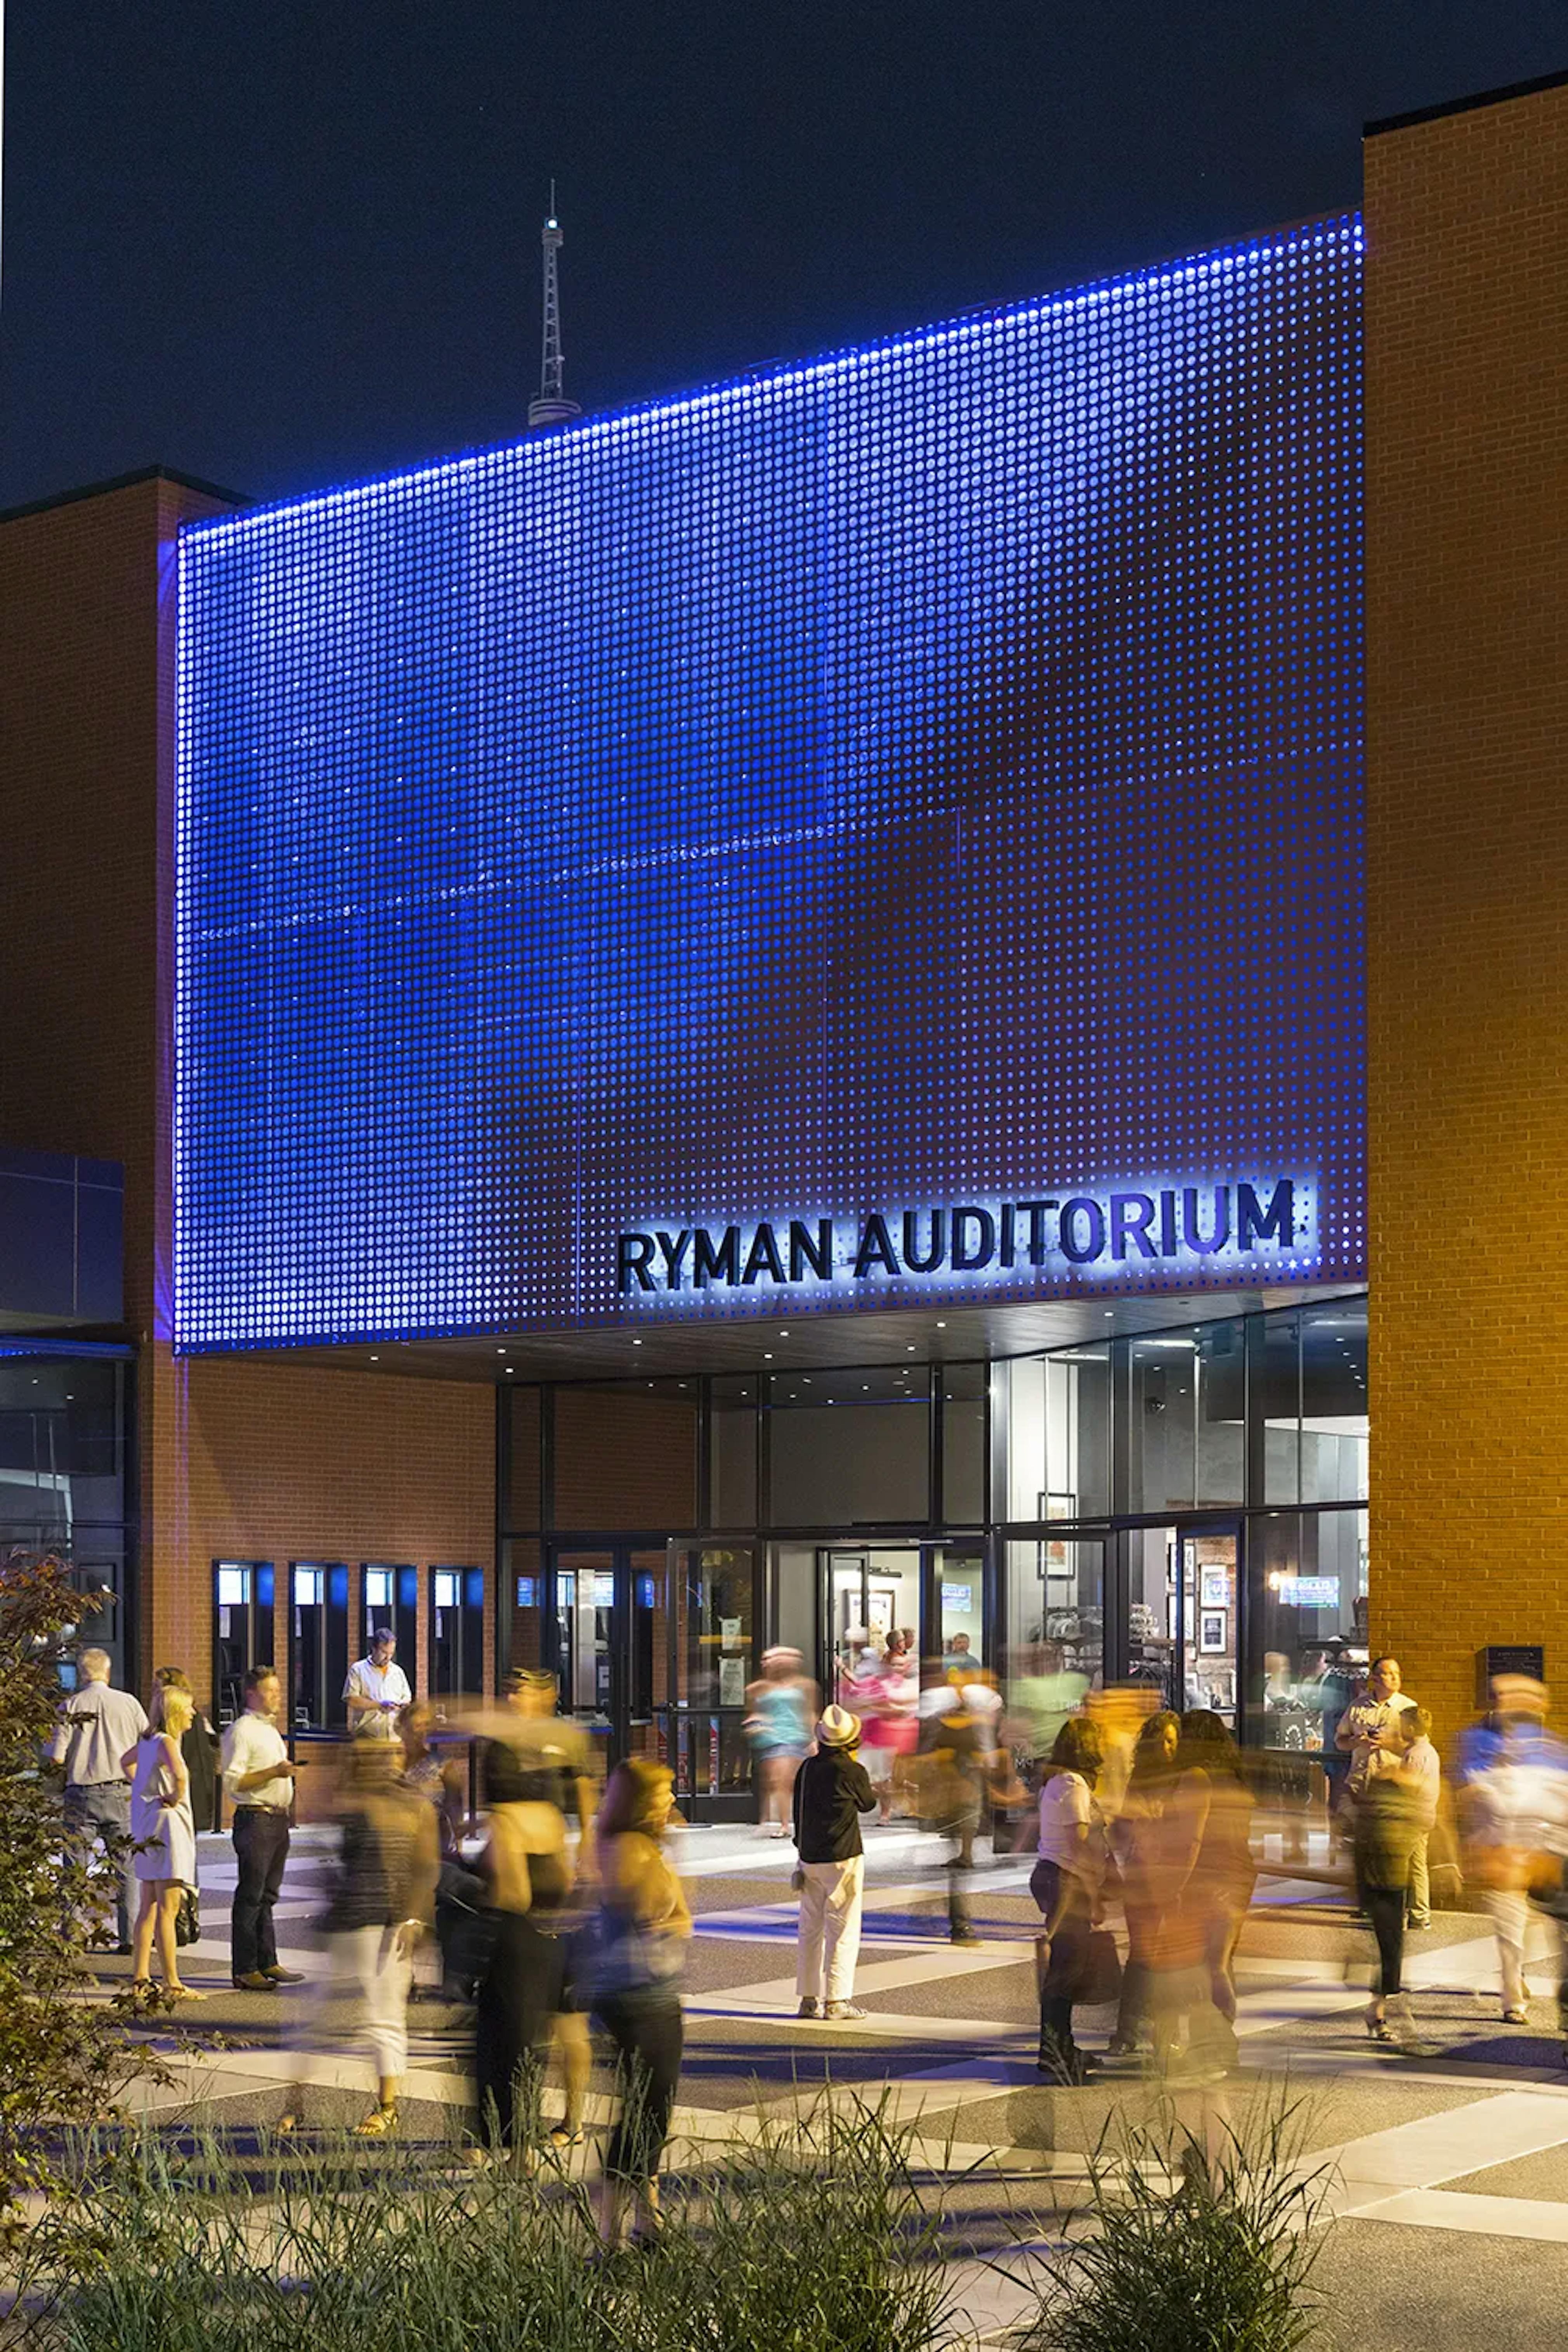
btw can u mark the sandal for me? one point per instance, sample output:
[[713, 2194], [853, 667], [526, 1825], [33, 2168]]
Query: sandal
[[182, 1992], [561, 2138], [380, 2124]]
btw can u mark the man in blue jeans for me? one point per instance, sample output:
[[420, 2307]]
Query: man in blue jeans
[[97, 1726], [258, 1781]]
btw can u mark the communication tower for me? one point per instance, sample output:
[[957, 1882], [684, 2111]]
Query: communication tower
[[551, 408]]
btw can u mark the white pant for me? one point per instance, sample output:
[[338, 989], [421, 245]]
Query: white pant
[[830, 1903], [363, 1996], [1511, 1923]]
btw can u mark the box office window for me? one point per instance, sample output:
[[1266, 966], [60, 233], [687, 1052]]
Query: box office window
[[318, 1645]]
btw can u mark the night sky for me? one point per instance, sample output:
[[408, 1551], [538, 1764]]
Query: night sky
[[280, 246]]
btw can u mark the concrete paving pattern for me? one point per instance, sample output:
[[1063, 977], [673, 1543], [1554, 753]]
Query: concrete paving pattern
[[1447, 2164]]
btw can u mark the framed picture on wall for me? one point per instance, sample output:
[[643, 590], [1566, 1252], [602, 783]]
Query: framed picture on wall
[[1057, 1552], [1211, 1632], [1216, 1588]]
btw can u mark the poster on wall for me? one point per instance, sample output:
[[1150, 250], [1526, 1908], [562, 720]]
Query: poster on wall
[[1216, 1588], [732, 1682], [1212, 1636]]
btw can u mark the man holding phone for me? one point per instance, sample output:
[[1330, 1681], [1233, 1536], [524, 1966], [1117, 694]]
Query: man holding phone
[[258, 1781], [377, 1689]]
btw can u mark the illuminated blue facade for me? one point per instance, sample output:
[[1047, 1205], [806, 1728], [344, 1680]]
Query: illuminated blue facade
[[926, 777]]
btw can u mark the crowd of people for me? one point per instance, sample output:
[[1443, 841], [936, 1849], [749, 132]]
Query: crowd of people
[[559, 1904]]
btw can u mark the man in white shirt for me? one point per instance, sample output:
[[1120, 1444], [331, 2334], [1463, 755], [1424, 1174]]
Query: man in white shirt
[[258, 1781], [97, 1726], [377, 1689]]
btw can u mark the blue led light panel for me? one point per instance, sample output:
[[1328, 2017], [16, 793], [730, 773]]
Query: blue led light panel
[[929, 775]]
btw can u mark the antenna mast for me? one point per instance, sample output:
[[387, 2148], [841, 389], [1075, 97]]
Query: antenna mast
[[551, 408]]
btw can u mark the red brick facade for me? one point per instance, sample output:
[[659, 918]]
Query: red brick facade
[[1466, 436], [238, 1459]]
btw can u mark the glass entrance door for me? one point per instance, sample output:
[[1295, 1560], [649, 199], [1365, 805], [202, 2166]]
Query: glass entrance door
[[655, 1647], [869, 1591], [585, 1625], [713, 1659], [1182, 1595]]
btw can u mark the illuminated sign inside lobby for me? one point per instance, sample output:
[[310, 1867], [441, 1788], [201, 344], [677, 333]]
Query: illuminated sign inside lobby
[[1183, 1224]]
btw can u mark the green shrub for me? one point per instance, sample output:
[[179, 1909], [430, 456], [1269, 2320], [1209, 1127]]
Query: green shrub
[[811, 2239], [1195, 2241], [63, 2060]]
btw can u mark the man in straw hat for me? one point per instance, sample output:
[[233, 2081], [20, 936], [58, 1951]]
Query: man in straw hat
[[831, 1791]]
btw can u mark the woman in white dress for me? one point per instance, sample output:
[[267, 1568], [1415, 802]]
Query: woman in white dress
[[165, 1836]]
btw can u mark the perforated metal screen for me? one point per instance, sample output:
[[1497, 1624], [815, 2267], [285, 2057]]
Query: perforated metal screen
[[930, 776]]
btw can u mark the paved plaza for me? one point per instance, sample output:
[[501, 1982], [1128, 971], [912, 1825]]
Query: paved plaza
[[1450, 2168]]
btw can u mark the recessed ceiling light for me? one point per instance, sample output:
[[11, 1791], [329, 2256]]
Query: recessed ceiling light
[[942, 1327], [637, 1343], [500, 1351], [784, 1335], [375, 1359], [507, 1368], [767, 1355]]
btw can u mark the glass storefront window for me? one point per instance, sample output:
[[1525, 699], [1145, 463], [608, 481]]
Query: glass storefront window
[[964, 1443], [733, 1452], [849, 1448], [1308, 1634], [1059, 1434], [1162, 1420], [1275, 1403], [1334, 1403], [1056, 1609]]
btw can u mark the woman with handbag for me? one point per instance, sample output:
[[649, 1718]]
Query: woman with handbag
[[632, 1965], [1066, 1883], [165, 1840]]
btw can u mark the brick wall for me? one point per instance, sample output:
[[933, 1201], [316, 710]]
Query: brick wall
[[235, 1458], [1466, 221]]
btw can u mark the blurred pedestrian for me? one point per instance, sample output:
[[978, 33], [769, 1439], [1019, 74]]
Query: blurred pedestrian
[[890, 1727], [1390, 1812], [1042, 1695], [958, 1754], [1066, 1882], [831, 1791], [525, 1999], [554, 1754], [1225, 1874], [1132, 1835], [637, 1950], [1181, 2013], [165, 1840], [439, 1779], [1511, 1776], [200, 1746], [382, 1901], [97, 1726], [781, 1706], [258, 1781]]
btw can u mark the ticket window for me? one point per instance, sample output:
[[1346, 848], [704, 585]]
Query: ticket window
[[390, 1597], [457, 1633], [243, 1594], [318, 1646]]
